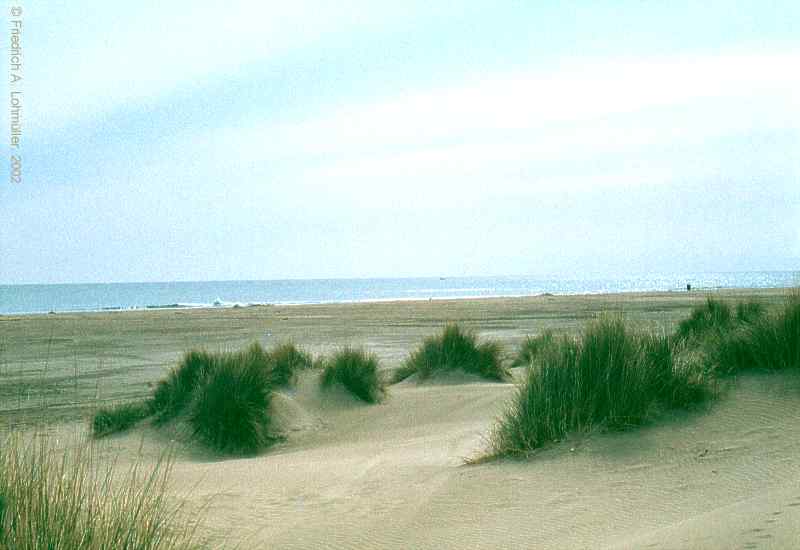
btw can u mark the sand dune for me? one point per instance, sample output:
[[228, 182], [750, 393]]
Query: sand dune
[[393, 476], [769, 520], [351, 475]]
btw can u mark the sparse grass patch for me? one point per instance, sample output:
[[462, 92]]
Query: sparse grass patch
[[285, 361], [357, 371], [456, 348], [609, 377], [318, 363], [531, 348], [59, 500], [109, 420], [402, 372]]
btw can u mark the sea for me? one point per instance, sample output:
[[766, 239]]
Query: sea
[[58, 298]]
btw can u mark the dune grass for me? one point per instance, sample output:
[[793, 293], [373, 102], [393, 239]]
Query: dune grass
[[616, 378], [357, 371], [746, 337], [531, 347], [712, 316], [286, 360], [750, 312], [109, 420], [63, 500], [681, 380], [170, 398], [402, 372], [229, 410], [455, 349], [609, 377], [764, 342], [174, 392], [776, 339], [225, 397]]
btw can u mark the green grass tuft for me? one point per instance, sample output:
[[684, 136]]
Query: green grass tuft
[[531, 348], [750, 312], [609, 377], [785, 335], [402, 372], [756, 341], [225, 396], [55, 499], [229, 410], [773, 343], [678, 375], [285, 361], [109, 420], [456, 349], [712, 316], [170, 397], [2, 515], [731, 351], [543, 408], [174, 392], [357, 371]]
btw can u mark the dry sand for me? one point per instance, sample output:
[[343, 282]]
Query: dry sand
[[393, 475]]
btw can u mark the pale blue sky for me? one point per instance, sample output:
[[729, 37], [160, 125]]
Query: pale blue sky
[[192, 141]]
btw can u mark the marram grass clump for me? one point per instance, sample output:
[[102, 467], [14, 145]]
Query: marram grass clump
[[170, 398], [286, 360], [765, 342], [750, 312], [229, 410], [357, 371], [776, 339], [531, 348], [681, 378], [455, 349], [109, 420], [64, 500], [713, 316], [609, 377], [224, 396], [174, 392]]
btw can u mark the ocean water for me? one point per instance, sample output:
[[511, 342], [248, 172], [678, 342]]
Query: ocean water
[[15, 299]]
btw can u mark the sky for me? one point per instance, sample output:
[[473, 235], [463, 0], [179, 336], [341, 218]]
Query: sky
[[278, 140]]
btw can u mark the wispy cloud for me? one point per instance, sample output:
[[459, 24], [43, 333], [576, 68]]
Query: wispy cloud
[[530, 101], [617, 123], [116, 55]]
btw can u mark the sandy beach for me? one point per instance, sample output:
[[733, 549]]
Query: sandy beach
[[400, 275], [393, 475]]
